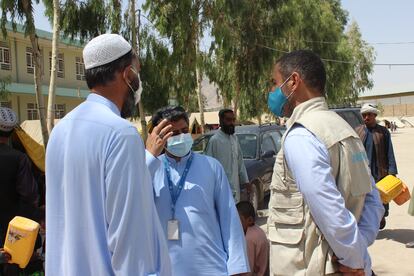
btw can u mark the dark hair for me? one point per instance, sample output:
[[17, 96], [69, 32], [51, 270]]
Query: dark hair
[[307, 64], [104, 74], [6, 134], [223, 112], [172, 113], [246, 209]]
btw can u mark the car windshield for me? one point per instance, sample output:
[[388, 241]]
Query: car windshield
[[200, 144], [248, 144]]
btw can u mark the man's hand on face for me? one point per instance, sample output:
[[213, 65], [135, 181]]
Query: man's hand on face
[[158, 138]]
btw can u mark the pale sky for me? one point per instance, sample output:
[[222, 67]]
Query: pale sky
[[379, 21]]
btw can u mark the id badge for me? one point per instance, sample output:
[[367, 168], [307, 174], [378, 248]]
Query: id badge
[[173, 230]]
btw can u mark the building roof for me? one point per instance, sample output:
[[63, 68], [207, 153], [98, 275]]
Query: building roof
[[25, 88], [387, 95], [210, 118], [46, 35]]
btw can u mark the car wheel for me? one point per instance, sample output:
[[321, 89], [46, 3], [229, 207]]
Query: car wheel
[[254, 197]]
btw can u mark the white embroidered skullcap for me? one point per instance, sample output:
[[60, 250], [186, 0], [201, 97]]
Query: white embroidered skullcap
[[104, 49], [369, 108], [8, 119]]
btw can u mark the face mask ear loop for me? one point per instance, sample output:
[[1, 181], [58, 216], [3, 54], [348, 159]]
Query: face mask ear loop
[[291, 93], [127, 83]]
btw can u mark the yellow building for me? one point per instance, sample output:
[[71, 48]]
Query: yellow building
[[16, 62]]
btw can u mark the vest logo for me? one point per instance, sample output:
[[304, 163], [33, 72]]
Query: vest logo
[[359, 157]]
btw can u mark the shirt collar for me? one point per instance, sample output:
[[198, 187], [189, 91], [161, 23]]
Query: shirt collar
[[184, 159], [93, 97]]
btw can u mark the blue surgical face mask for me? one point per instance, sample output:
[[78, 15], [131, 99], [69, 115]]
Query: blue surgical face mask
[[276, 100], [180, 145]]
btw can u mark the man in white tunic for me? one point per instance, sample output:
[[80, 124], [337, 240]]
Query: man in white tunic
[[100, 215], [225, 148]]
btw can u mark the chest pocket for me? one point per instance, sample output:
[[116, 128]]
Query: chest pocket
[[286, 208], [282, 180]]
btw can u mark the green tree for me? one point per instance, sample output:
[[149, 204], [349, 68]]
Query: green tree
[[250, 36], [157, 71], [85, 19], [240, 64], [23, 11], [362, 57], [184, 22], [55, 6], [4, 92]]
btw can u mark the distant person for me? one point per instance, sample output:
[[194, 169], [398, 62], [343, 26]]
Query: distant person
[[392, 127], [256, 240], [378, 145], [195, 204], [324, 210], [225, 148], [101, 219], [19, 194]]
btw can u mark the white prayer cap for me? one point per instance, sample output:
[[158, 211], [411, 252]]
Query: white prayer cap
[[369, 108], [8, 119], [104, 49]]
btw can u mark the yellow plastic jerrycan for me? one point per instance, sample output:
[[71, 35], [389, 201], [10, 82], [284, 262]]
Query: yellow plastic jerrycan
[[389, 188], [20, 240]]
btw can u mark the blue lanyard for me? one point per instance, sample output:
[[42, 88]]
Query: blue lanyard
[[181, 182]]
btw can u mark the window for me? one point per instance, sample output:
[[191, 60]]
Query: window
[[200, 144], [29, 61], [60, 111], [267, 143], [353, 118], [5, 104], [5, 61], [30, 64], [80, 69], [32, 111], [277, 139], [60, 65], [248, 145]]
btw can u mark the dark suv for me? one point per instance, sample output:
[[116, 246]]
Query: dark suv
[[259, 144], [350, 114]]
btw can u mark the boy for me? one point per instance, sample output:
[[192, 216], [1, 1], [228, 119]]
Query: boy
[[256, 240]]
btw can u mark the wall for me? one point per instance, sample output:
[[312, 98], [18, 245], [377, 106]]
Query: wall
[[18, 44], [394, 106], [398, 110], [19, 103]]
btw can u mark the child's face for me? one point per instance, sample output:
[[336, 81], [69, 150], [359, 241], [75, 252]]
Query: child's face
[[246, 222]]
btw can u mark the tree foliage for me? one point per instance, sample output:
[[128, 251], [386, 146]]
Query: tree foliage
[[183, 23], [22, 10], [4, 92], [251, 35], [247, 37], [85, 19]]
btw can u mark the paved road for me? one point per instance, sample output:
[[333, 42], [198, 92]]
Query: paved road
[[389, 254]]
